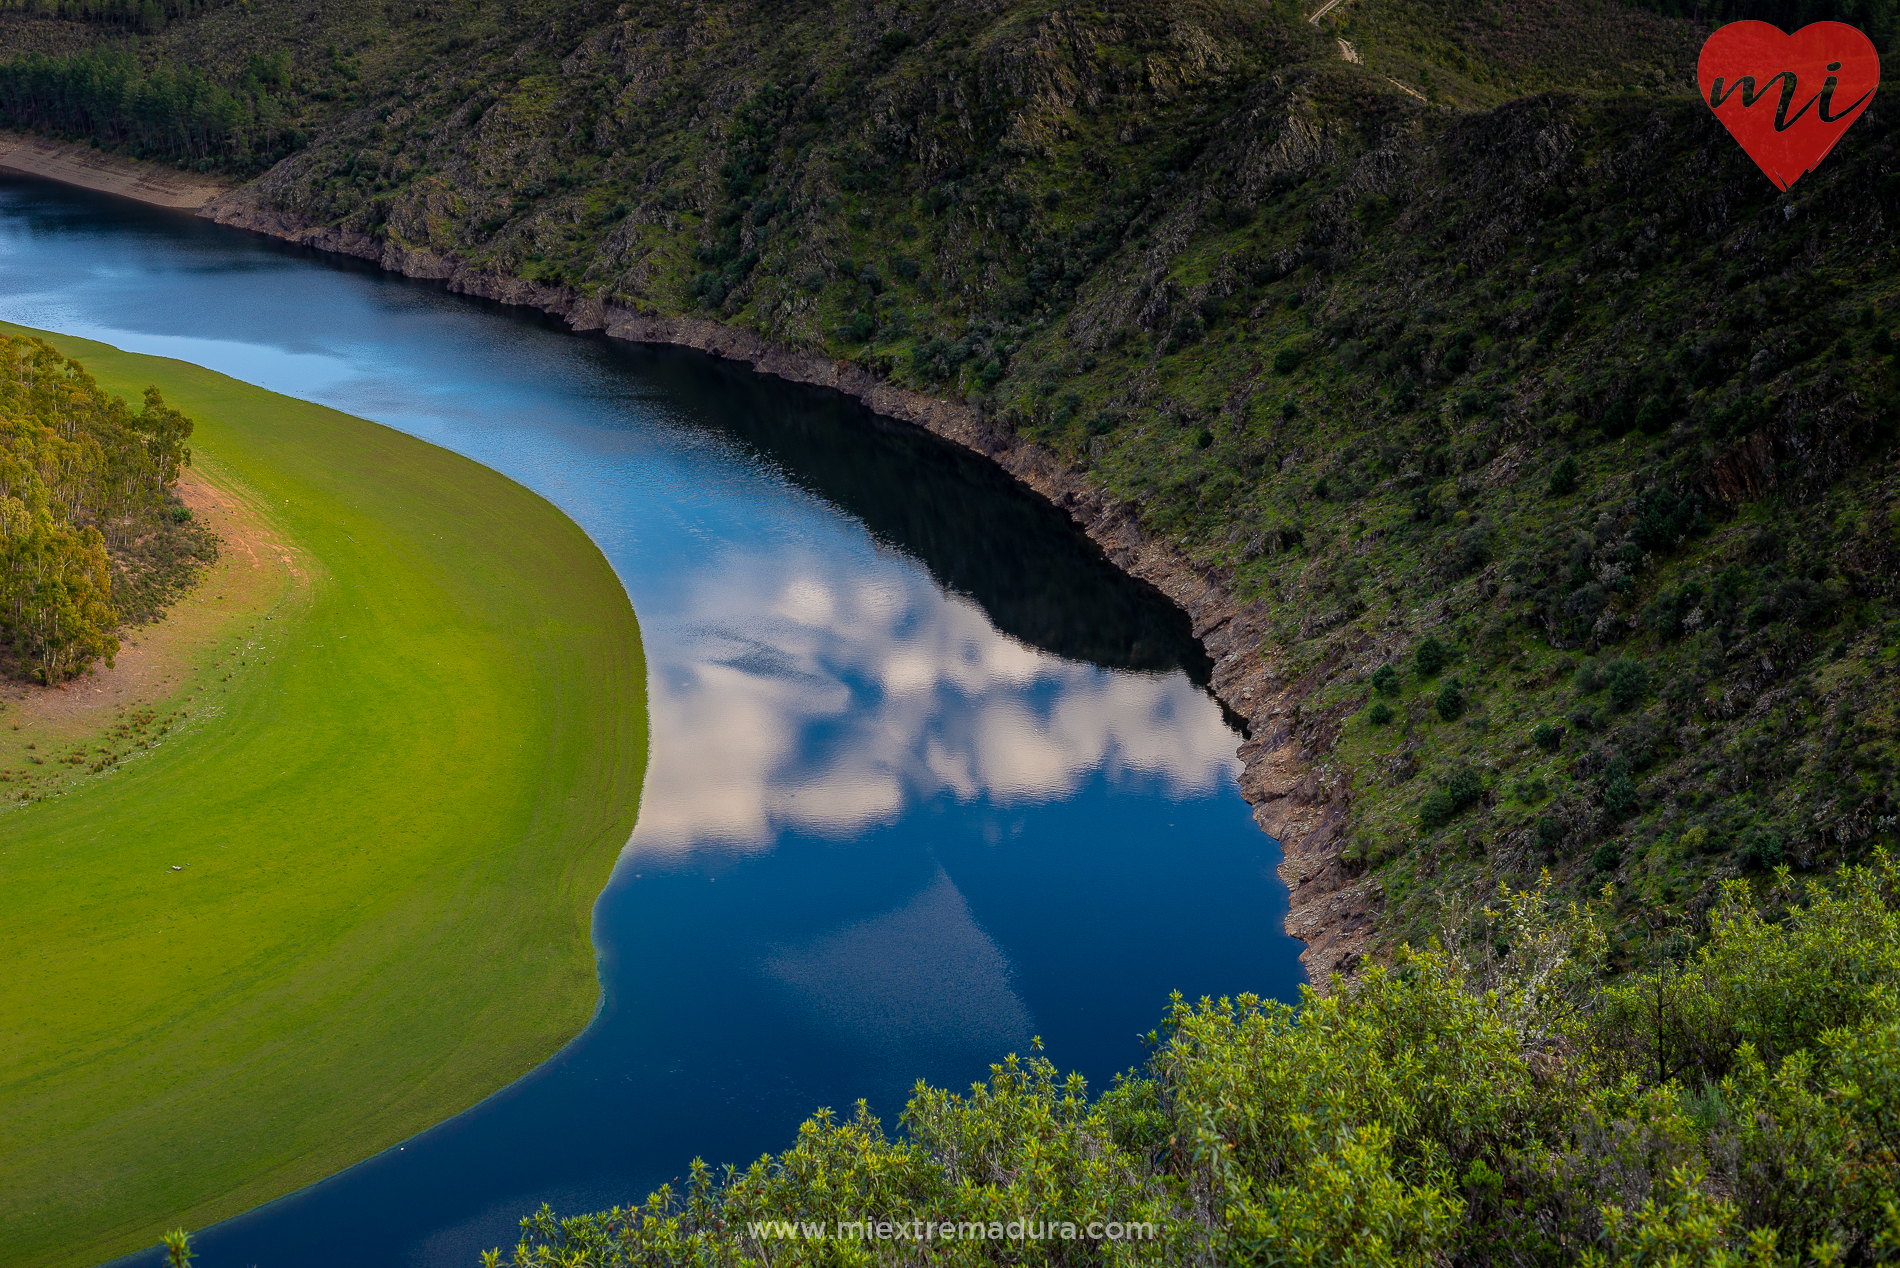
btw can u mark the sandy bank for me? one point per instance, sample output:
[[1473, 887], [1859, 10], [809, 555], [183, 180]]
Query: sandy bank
[[108, 173]]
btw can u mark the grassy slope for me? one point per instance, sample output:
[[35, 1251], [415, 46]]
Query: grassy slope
[[1106, 226], [394, 835]]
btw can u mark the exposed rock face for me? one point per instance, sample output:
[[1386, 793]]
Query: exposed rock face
[[1297, 799]]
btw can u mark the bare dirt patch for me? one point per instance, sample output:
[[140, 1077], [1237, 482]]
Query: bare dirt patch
[[108, 173], [166, 673]]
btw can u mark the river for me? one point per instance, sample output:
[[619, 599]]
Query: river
[[929, 777]]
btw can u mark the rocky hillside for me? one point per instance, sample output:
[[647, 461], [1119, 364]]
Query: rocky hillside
[[1537, 453]]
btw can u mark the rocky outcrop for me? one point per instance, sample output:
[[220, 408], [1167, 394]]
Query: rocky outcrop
[[1297, 798]]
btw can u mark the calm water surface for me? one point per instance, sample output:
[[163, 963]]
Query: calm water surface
[[928, 776]]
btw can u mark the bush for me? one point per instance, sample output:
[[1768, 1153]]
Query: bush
[[1606, 857], [1619, 796], [1379, 714], [1499, 1106], [1655, 416], [1627, 680], [1436, 810], [1385, 680], [1563, 478], [1586, 678], [1547, 737], [1465, 787], [1763, 853], [1289, 358], [1550, 830], [1618, 417], [1430, 657], [1451, 700]]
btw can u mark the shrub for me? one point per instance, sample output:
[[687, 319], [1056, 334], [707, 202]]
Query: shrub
[[862, 326], [1289, 358], [1627, 680], [1550, 830], [1379, 714], [1430, 657], [1655, 416], [1606, 856], [1451, 700], [1385, 680], [1619, 795], [1547, 737], [1586, 678], [1618, 417], [1501, 1106], [1436, 810], [1763, 853], [1473, 550], [1465, 786], [1204, 439], [1563, 478]]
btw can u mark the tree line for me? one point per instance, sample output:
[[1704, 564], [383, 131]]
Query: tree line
[[164, 112], [80, 474], [140, 15]]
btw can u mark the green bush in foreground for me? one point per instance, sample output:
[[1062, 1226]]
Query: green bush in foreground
[[1506, 1106]]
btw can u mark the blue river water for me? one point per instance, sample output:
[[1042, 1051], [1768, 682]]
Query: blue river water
[[928, 776]]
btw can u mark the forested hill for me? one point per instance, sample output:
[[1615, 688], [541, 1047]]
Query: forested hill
[[1544, 446], [85, 502]]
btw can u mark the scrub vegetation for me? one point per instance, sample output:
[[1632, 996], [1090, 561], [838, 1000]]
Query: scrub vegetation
[[86, 500], [1733, 1106], [288, 907]]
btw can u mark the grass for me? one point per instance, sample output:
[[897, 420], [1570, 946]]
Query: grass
[[392, 820]]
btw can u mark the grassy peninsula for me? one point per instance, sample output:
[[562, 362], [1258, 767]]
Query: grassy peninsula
[[335, 882]]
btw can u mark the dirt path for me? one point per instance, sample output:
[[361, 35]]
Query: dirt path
[[108, 173]]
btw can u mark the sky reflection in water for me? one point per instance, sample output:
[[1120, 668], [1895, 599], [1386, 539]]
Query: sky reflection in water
[[928, 776]]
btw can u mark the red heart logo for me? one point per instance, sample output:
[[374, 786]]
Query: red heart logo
[[1788, 98]]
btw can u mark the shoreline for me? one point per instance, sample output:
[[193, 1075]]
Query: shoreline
[[22, 154], [1296, 799]]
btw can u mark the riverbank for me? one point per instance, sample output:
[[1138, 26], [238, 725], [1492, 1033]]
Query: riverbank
[[1298, 800], [80, 165], [316, 849]]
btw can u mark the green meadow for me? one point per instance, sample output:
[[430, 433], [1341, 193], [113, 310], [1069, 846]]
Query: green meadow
[[346, 891]]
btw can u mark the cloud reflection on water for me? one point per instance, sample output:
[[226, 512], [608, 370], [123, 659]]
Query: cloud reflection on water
[[797, 692]]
